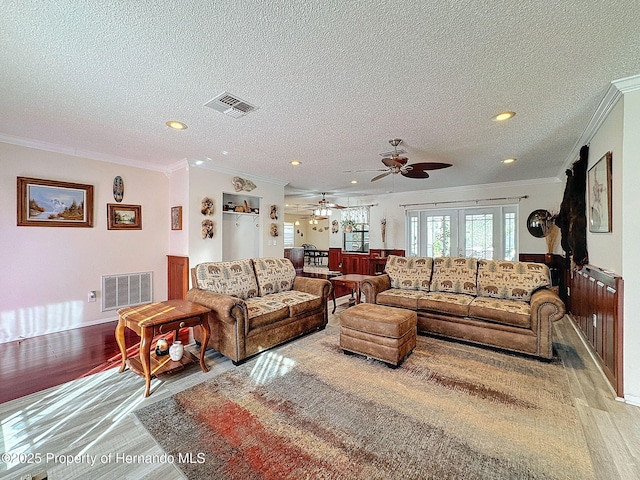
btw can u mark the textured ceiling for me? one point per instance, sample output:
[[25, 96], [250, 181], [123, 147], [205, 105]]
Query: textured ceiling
[[333, 82]]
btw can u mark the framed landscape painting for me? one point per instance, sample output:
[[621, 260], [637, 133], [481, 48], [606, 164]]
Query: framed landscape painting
[[124, 217], [49, 203]]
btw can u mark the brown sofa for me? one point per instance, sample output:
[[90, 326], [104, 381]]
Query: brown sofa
[[257, 304], [490, 302]]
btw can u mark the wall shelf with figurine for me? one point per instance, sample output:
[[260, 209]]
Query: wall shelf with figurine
[[240, 204]]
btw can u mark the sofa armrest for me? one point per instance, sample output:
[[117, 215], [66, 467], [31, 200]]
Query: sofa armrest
[[225, 307], [228, 320], [372, 286], [546, 304], [314, 286]]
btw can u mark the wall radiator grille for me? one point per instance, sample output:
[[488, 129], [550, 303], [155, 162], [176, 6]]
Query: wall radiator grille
[[126, 290]]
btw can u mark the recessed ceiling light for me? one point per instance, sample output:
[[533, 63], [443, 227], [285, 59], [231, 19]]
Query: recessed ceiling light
[[354, 181], [176, 125], [508, 160], [295, 162], [502, 116], [199, 162]]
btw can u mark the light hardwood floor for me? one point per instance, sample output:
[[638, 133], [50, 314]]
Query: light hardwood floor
[[90, 420]]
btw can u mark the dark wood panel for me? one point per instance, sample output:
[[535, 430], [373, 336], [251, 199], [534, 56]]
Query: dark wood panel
[[335, 255], [296, 255], [360, 263], [177, 277], [595, 305]]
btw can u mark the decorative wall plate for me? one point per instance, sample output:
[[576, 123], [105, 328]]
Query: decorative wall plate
[[118, 189]]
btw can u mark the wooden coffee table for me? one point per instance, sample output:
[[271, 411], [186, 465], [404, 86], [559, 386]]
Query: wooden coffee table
[[155, 319], [352, 281]]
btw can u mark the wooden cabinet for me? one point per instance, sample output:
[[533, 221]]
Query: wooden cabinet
[[177, 277], [361, 263]]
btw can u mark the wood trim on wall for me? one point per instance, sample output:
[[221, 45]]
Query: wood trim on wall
[[595, 306], [177, 277]]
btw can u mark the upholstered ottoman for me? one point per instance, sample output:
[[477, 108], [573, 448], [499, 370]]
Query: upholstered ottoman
[[385, 333]]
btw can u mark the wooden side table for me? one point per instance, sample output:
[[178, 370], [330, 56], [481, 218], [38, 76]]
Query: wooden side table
[[155, 319], [351, 281]]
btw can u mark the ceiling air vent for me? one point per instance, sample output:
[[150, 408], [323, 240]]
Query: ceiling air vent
[[230, 105]]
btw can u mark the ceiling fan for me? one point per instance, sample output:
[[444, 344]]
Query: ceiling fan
[[323, 208], [397, 164]]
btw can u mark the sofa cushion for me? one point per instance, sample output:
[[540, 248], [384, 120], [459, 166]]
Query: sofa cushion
[[264, 311], [455, 275], [234, 278], [509, 312], [274, 275], [409, 273], [397, 297], [298, 302], [447, 303], [511, 280]]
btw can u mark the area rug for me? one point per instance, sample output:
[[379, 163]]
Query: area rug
[[306, 410]]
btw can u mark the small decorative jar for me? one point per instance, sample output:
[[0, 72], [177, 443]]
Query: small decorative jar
[[176, 351], [162, 347]]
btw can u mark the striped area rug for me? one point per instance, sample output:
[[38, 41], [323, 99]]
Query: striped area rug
[[306, 410]]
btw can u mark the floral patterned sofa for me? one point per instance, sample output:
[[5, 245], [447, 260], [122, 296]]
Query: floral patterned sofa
[[257, 304], [490, 302]]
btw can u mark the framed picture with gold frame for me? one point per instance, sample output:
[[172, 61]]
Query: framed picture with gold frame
[[176, 218], [50, 203], [599, 195], [124, 217]]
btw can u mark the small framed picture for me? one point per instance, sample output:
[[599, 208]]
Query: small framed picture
[[124, 217], [176, 218]]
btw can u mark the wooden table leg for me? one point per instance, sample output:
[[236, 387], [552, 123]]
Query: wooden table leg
[[145, 357], [333, 297], [205, 340], [121, 344]]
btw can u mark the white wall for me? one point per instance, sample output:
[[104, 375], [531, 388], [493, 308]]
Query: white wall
[[204, 182], [47, 272], [179, 197], [605, 249], [545, 194], [629, 194]]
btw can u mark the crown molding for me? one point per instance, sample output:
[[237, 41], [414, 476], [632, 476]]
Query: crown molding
[[76, 152], [628, 84], [615, 92]]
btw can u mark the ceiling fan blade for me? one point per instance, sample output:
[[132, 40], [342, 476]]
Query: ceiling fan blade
[[411, 172], [381, 176], [429, 165], [359, 171]]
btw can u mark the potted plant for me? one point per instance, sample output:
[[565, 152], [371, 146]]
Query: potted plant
[[348, 225]]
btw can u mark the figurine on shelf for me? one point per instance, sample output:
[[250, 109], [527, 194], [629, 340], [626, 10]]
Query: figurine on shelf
[[162, 347]]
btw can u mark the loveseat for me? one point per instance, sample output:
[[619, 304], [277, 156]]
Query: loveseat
[[257, 304], [498, 303]]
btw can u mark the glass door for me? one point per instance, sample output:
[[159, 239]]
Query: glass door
[[488, 232]]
